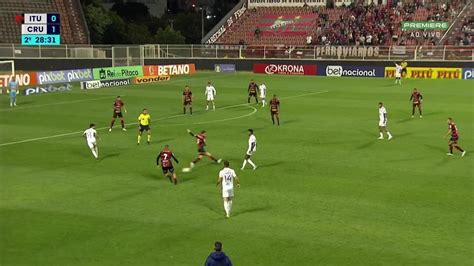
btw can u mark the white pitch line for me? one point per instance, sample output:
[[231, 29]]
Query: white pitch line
[[49, 104], [163, 118]]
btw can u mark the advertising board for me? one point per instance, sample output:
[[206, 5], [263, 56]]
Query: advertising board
[[350, 71], [468, 73], [23, 79], [145, 80], [107, 73], [284, 69], [427, 73], [97, 84], [224, 68], [47, 89], [51, 77], [168, 70]]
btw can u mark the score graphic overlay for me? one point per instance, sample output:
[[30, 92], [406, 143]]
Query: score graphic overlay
[[41, 29]]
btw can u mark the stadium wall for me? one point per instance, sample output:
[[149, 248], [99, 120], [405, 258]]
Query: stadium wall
[[208, 64]]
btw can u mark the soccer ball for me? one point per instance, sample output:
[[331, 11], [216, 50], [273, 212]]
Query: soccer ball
[[186, 170]]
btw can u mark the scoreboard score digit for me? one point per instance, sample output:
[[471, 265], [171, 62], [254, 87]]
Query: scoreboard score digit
[[41, 29]]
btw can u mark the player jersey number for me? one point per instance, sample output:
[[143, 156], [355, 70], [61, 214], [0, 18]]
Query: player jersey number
[[166, 156], [228, 179]]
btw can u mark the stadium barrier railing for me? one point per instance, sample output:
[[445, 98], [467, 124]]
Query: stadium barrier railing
[[135, 54]]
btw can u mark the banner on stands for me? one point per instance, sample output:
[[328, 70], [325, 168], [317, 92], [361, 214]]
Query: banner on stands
[[350, 71], [23, 79], [427, 73], [284, 69], [292, 3], [224, 68], [230, 21], [169, 70], [51, 77], [107, 73], [342, 52], [144, 80], [47, 89], [97, 84]]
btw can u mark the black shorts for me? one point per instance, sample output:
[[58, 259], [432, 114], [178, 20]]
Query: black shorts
[[144, 128], [404, 71], [201, 150], [252, 94], [119, 114], [187, 103], [168, 169], [274, 112], [454, 139]]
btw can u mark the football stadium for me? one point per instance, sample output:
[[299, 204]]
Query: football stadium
[[251, 132]]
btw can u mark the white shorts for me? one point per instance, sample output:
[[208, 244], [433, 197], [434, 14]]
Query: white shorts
[[210, 98], [262, 96], [398, 75], [226, 193], [382, 123], [91, 144]]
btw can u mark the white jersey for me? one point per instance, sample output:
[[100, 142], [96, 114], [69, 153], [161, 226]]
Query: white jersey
[[252, 145], [90, 135], [382, 116], [398, 69], [210, 91], [263, 90], [228, 175]]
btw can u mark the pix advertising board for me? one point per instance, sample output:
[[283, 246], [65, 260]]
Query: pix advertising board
[[47, 89], [51, 77]]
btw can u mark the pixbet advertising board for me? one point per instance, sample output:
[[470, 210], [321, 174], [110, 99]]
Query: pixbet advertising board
[[51, 77]]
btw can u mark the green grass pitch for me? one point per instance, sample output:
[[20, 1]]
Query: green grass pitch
[[326, 192]]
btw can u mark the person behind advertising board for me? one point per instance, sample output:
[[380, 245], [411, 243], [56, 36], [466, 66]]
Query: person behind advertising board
[[13, 84], [218, 257]]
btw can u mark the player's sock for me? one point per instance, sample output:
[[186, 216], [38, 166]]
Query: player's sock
[[94, 153], [273, 120], [184, 110], [389, 135], [230, 206], [251, 163], [123, 123], [458, 148], [244, 164], [278, 121], [97, 151], [381, 135], [213, 106], [139, 138], [207, 107], [248, 100], [212, 158], [149, 139], [226, 208], [451, 149], [190, 110], [112, 123]]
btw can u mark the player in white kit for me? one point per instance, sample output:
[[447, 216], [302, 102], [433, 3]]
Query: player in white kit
[[383, 122], [91, 137], [398, 74], [263, 93], [210, 94], [251, 150], [226, 179]]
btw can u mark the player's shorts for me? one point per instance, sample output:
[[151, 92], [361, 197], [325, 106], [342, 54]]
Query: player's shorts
[[262, 96], [274, 112], [227, 193], [398, 75], [201, 150], [168, 169], [144, 128], [382, 123], [404, 71], [454, 139], [91, 144], [416, 104], [119, 114], [210, 98], [187, 102], [252, 94]]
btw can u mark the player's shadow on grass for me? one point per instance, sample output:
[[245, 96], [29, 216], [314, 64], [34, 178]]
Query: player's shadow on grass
[[367, 144], [270, 164], [254, 209], [110, 155], [436, 148]]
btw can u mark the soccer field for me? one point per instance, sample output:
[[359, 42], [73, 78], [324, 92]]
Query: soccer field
[[326, 191]]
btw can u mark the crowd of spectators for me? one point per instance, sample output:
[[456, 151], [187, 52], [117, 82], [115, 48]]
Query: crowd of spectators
[[360, 24]]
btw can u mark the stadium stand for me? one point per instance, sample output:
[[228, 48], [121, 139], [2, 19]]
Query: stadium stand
[[357, 24], [73, 26]]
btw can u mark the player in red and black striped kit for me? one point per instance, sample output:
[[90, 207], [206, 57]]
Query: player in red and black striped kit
[[453, 141], [275, 109], [416, 98], [253, 88], [201, 144], [164, 159], [118, 106], [187, 100]]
